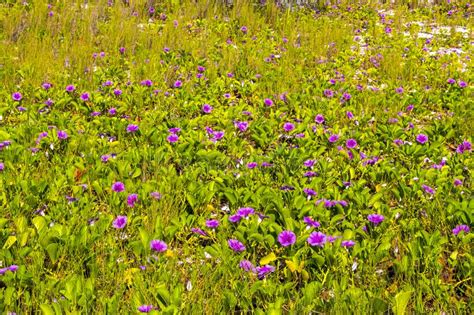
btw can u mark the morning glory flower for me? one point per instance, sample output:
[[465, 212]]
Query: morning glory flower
[[17, 96], [132, 199], [319, 119], [288, 127], [247, 265], [206, 108], [351, 143], [461, 228], [212, 224], [120, 222], [118, 187], [286, 238], [132, 128], [317, 239], [263, 271], [235, 245], [62, 135], [422, 138], [375, 218], [158, 246], [348, 243], [145, 308]]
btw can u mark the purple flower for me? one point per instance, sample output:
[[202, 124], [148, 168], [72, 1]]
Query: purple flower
[[268, 102], [120, 222], [399, 90], [375, 218], [351, 143], [287, 188], [85, 97], [242, 125], [457, 182], [2, 166], [333, 138], [398, 142], [112, 111], [462, 84], [118, 187], [348, 243], [70, 88], [49, 102], [252, 165], [146, 83], [198, 231], [235, 218], [309, 163], [245, 212], [421, 138], [319, 119], [309, 192], [263, 271], [317, 239], [212, 223], [118, 92], [466, 146], [174, 130], [201, 69], [206, 108], [451, 81], [132, 128], [328, 93], [247, 265], [244, 29], [288, 127], [17, 96], [217, 135], [132, 199], [145, 308], [286, 238], [172, 138], [310, 174], [178, 84], [428, 189], [235, 245], [350, 115], [461, 228], [156, 195], [158, 246], [46, 85], [62, 135], [310, 222], [11, 268]]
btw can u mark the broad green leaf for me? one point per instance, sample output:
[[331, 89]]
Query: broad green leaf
[[401, 302], [268, 259]]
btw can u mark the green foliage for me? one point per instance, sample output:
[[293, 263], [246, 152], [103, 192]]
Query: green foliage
[[59, 250]]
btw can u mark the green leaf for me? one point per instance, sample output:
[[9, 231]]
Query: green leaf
[[401, 302], [10, 241], [52, 250], [137, 173], [39, 222], [268, 259], [47, 309]]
